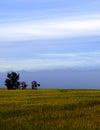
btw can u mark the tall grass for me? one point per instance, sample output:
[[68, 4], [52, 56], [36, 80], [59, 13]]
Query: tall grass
[[49, 109]]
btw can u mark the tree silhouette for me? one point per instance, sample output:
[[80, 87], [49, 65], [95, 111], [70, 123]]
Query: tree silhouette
[[23, 85], [34, 84], [12, 81]]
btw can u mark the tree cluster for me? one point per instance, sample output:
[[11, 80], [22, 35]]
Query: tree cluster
[[12, 82]]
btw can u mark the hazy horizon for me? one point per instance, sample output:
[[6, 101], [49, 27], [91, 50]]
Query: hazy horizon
[[61, 79]]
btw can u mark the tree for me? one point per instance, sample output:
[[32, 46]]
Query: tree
[[12, 81], [34, 84], [23, 85]]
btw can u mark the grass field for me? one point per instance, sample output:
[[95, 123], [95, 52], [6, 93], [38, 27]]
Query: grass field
[[49, 109]]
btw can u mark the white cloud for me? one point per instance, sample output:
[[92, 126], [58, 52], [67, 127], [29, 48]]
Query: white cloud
[[53, 61], [45, 29], [60, 55]]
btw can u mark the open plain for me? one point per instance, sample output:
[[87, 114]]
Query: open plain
[[49, 109]]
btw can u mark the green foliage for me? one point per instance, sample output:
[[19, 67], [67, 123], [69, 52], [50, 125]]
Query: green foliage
[[49, 109], [12, 80]]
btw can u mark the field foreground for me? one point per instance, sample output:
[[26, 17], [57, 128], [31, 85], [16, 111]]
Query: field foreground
[[49, 109]]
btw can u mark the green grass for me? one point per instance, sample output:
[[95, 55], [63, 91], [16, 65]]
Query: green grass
[[49, 109]]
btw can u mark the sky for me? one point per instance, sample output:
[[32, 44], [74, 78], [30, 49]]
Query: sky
[[49, 34]]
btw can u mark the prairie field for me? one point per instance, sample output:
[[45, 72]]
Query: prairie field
[[49, 109]]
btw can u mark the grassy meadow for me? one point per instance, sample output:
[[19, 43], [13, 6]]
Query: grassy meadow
[[49, 109]]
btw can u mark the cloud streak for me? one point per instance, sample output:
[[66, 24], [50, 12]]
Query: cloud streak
[[49, 29], [53, 61], [49, 34]]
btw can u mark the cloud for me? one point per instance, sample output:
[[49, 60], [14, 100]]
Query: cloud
[[45, 29], [63, 55], [53, 61], [47, 56]]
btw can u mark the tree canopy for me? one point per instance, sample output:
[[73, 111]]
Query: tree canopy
[[12, 81]]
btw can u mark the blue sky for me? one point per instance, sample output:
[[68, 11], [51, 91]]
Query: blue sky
[[49, 34]]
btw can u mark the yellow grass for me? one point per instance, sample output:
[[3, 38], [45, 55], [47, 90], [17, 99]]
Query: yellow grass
[[49, 109]]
